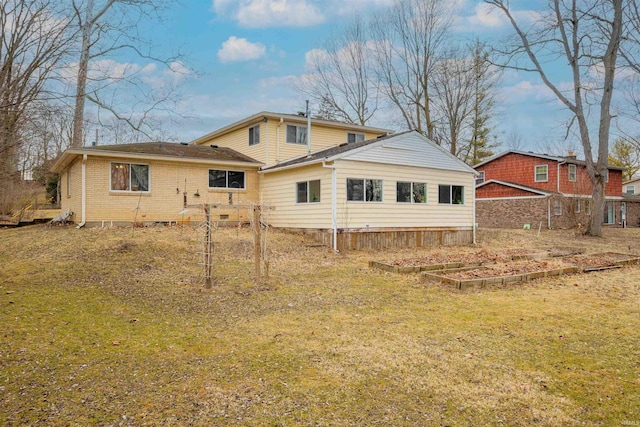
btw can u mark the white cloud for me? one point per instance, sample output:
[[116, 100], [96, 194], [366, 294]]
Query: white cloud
[[270, 13], [240, 49], [489, 17]]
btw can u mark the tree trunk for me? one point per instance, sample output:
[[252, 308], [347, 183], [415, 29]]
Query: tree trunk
[[81, 83], [597, 210]]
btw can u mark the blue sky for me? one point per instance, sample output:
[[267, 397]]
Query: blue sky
[[248, 54]]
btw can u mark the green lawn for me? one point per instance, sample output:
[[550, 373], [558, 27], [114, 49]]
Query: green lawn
[[100, 326]]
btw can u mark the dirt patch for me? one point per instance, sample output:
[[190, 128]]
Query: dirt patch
[[510, 269]]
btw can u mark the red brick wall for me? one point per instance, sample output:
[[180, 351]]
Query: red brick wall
[[520, 169], [497, 190]]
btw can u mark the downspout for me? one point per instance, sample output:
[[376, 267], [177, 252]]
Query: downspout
[[278, 140], [334, 204], [558, 177], [308, 129], [84, 192], [474, 216], [549, 213], [266, 140]]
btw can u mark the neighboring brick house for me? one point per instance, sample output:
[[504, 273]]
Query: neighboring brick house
[[515, 189]]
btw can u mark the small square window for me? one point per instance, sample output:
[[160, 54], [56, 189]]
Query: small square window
[[451, 194], [297, 134], [631, 190], [480, 177], [308, 191], [541, 174]]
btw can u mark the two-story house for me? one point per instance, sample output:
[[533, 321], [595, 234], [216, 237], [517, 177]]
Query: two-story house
[[516, 189], [350, 186]]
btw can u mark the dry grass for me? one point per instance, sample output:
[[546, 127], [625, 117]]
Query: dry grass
[[102, 327]]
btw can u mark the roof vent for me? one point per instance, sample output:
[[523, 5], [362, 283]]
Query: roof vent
[[213, 146], [301, 113], [184, 143]]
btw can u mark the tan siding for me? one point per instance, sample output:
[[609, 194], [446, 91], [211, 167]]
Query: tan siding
[[273, 147], [165, 199], [239, 140], [72, 202], [279, 190], [389, 213]]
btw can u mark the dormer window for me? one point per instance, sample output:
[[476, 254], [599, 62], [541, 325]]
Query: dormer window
[[480, 178], [354, 137], [542, 173]]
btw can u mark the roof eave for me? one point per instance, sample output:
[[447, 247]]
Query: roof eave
[[61, 164]]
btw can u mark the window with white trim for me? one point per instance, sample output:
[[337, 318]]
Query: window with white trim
[[129, 177], [411, 192], [254, 135], [572, 173], [297, 134], [577, 206], [308, 191], [364, 190], [630, 190], [451, 194], [587, 207], [542, 173], [480, 177], [226, 179], [354, 137], [557, 207]]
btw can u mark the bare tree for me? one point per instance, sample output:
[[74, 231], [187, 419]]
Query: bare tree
[[411, 39], [588, 35], [340, 76], [108, 28], [33, 37]]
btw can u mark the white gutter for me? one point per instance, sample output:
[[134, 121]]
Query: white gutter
[[84, 192], [334, 204]]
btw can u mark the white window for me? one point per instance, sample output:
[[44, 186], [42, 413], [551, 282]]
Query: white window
[[129, 177], [297, 134], [254, 135], [480, 177], [542, 174], [572, 173], [308, 192], [587, 207], [69, 182], [226, 179], [354, 137], [411, 192], [451, 194], [364, 190], [557, 207], [631, 190], [577, 206]]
